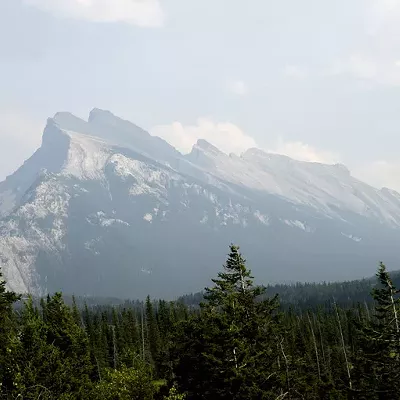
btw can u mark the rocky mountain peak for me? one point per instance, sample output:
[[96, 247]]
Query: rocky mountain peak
[[97, 113], [116, 201], [207, 146]]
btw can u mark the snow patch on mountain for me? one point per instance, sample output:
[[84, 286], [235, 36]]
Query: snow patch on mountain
[[37, 225], [49, 198], [350, 236], [148, 180], [204, 220], [264, 219], [329, 189], [17, 255], [148, 217], [298, 224], [87, 157], [101, 219], [91, 245]]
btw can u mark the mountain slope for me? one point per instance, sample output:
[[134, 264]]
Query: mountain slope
[[104, 208]]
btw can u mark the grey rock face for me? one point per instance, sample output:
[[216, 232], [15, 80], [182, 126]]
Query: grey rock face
[[104, 208]]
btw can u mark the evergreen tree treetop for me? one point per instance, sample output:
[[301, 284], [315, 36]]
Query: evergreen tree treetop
[[236, 279]]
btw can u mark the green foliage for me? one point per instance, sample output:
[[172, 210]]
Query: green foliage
[[174, 395], [8, 336], [125, 384], [154, 341], [378, 365], [240, 344], [227, 343], [52, 357]]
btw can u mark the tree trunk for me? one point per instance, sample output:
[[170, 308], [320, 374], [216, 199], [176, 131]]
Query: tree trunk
[[315, 346], [343, 345]]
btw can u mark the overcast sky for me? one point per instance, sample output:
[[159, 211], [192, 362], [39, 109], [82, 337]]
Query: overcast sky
[[316, 80]]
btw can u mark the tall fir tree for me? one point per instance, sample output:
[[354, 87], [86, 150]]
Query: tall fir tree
[[38, 361], [8, 335], [63, 332], [233, 343], [378, 358], [153, 334]]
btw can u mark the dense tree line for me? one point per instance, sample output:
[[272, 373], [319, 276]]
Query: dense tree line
[[307, 296], [238, 344]]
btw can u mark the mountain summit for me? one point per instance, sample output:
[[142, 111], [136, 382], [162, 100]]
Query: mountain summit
[[104, 208]]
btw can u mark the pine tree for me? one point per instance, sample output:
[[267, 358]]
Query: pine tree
[[8, 335], [129, 341], [379, 356], [233, 343], [76, 313], [38, 361], [74, 369], [153, 334]]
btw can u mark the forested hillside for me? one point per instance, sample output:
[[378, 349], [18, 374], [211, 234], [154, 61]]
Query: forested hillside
[[305, 296], [239, 344], [299, 296]]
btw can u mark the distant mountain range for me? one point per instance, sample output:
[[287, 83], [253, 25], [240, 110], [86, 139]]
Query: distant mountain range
[[105, 209]]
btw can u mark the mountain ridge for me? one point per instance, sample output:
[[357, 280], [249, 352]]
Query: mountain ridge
[[104, 201]]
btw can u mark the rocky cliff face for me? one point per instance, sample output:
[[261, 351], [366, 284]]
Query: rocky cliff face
[[104, 208]]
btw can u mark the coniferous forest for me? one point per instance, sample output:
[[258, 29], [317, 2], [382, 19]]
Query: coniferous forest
[[239, 344]]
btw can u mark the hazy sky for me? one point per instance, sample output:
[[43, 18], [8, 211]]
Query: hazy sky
[[316, 80]]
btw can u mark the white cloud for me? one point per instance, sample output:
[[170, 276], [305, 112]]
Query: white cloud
[[295, 71], [380, 174], [356, 66], [382, 15], [382, 71], [304, 152], [145, 13], [237, 87], [228, 137], [375, 56]]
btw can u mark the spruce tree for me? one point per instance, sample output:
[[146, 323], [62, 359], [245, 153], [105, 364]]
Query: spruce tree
[[38, 360], [233, 343], [153, 335], [8, 335], [72, 374], [378, 359]]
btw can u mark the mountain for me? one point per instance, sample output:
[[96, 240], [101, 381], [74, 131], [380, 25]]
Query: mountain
[[105, 209]]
